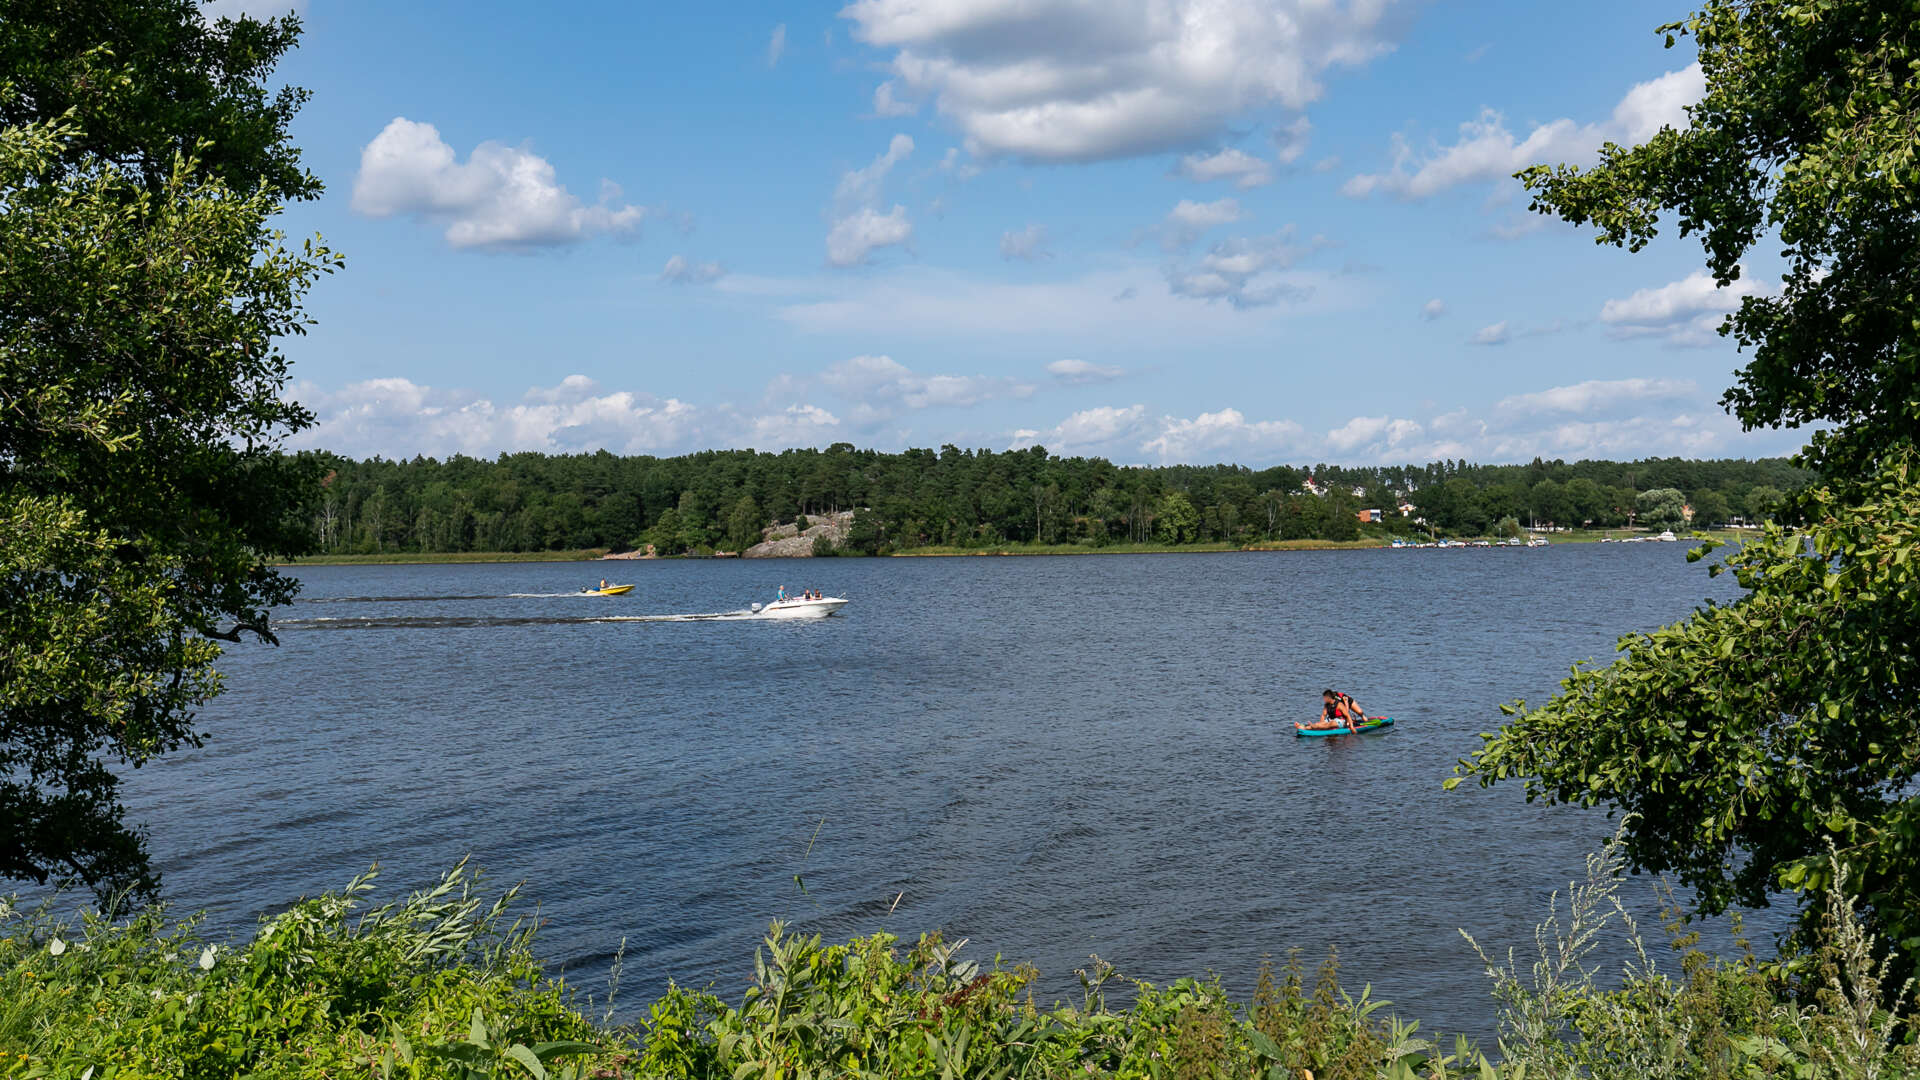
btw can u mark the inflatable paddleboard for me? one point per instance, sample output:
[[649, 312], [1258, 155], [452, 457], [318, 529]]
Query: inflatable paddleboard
[[1372, 723]]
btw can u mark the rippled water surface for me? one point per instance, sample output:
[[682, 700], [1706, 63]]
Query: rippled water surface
[[1052, 757]]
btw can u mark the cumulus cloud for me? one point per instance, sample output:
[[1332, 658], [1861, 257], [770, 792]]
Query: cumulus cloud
[[1071, 80], [885, 104], [1029, 243], [1433, 309], [1188, 219], [1687, 312], [1600, 395], [1290, 142], [859, 226], [1496, 334], [853, 238], [1486, 150], [1083, 371], [1238, 166], [1367, 430], [1224, 434], [1618, 419], [681, 270], [1243, 271], [397, 417], [501, 198], [796, 425], [777, 45], [880, 388]]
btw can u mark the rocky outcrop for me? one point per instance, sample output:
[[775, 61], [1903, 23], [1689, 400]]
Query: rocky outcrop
[[787, 542]]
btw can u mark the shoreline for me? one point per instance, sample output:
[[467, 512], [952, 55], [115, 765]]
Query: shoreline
[[427, 558]]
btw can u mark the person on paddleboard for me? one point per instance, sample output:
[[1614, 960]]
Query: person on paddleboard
[[1338, 710]]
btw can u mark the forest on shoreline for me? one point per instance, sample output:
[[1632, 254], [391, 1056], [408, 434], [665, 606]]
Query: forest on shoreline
[[721, 500]]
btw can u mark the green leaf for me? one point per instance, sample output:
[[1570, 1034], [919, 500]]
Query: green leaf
[[528, 1061]]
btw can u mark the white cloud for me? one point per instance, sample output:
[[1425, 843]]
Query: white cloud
[[854, 237], [1496, 334], [681, 270], [502, 198], [1622, 418], [1089, 430], [1433, 309], [1242, 270], [1245, 170], [1029, 243], [777, 45], [1290, 142], [1199, 215], [1599, 395], [862, 186], [1365, 430], [885, 104], [880, 388], [1079, 80], [396, 417], [1188, 219], [1221, 435], [1486, 150], [1687, 312], [859, 226], [1083, 371], [1129, 302], [796, 425]]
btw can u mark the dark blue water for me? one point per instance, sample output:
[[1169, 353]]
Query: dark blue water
[[1052, 757]]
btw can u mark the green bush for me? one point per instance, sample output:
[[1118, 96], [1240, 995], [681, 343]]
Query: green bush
[[443, 985], [437, 986]]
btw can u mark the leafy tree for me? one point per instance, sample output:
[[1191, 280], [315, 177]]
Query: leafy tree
[[1661, 508], [1752, 735], [142, 495], [744, 523], [1746, 737], [1586, 501], [1806, 137], [1763, 502], [1710, 507], [1179, 523], [1549, 502]]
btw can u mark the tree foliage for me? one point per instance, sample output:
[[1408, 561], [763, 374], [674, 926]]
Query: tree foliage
[[142, 492], [1746, 737], [534, 502], [1809, 134]]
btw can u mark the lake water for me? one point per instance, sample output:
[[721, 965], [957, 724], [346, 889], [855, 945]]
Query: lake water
[[1051, 757]]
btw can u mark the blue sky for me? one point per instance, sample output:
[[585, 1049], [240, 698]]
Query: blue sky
[[1259, 231]]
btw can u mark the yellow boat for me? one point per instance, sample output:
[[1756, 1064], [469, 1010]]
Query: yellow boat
[[615, 590]]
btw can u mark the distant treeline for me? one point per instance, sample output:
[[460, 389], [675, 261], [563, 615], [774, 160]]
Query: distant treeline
[[721, 499]]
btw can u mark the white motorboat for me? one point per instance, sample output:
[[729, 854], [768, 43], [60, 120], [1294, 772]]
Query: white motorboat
[[1668, 537], [794, 608]]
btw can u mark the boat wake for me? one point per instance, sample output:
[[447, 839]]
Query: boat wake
[[459, 622]]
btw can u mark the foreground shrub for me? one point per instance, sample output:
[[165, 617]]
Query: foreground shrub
[[443, 985], [437, 986]]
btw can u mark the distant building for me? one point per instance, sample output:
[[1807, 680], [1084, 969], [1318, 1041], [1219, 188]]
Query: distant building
[[1407, 509], [1358, 491], [1371, 515]]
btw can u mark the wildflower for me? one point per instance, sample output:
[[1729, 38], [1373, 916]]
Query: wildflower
[[206, 958], [56, 946]]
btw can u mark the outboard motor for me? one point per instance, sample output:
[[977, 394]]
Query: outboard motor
[[756, 609]]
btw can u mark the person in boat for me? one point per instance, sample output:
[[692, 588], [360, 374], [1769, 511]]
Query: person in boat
[[781, 596], [1338, 710], [603, 583]]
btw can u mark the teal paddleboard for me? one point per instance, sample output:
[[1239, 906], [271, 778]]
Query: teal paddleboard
[[1373, 723]]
